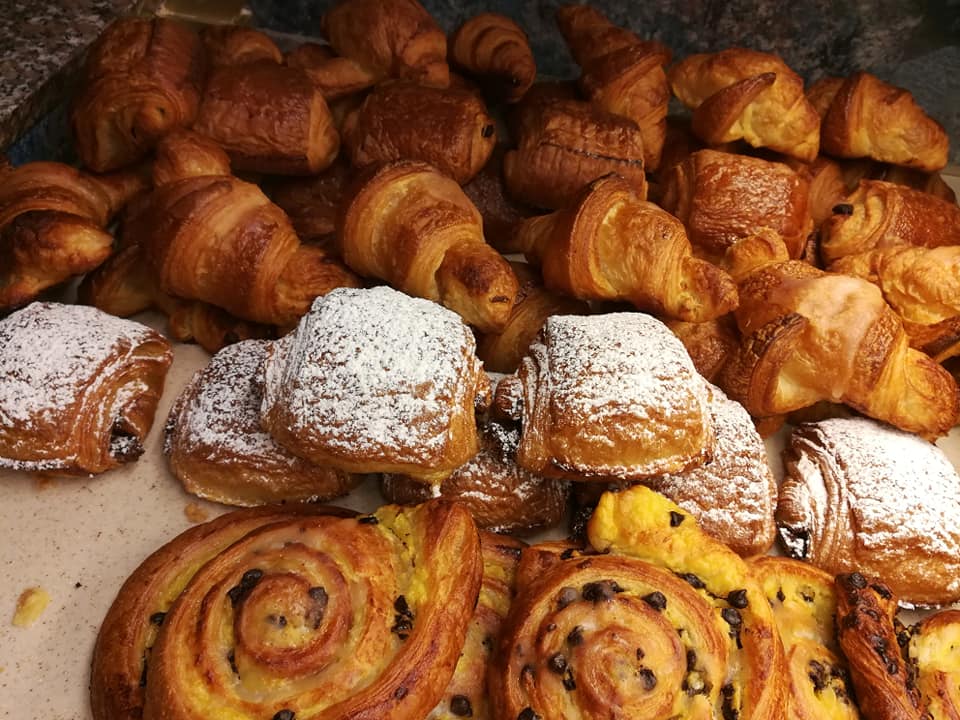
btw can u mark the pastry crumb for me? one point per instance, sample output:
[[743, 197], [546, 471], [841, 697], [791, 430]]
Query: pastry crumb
[[30, 606], [195, 513]]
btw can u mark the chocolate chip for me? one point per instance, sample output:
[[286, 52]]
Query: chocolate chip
[[568, 682], [488, 131], [738, 598], [727, 710], [400, 693], [657, 600], [691, 660], [576, 635], [857, 580], [460, 706], [807, 597], [818, 675], [285, 715], [640, 654], [882, 591], [843, 209], [247, 583], [567, 554], [368, 520], [567, 595], [598, 591], [676, 518], [320, 599], [732, 616], [557, 663], [528, 714], [401, 606], [648, 678], [693, 580], [780, 596], [278, 620], [157, 618]]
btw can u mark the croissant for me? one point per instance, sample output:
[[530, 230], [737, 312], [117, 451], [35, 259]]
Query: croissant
[[220, 240], [269, 118], [312, 203], [51, 225], [450, 129], [721, 198], [865, 117], [412, 226], [184, 154], [622, 74], [125, 285], [564, 145], [389, 38], [879, 214], [865, 629], [804, 603], [709, 343], [142, 79], [335, 76], [281, 589], [612, 245], [495, 50], [639, 523], [78, 388], [234, 45], [796, 320], [744, 94]]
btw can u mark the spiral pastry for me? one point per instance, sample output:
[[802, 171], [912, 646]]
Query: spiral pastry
[[804, 603], [643, 524], [317, 616], [934, 650]]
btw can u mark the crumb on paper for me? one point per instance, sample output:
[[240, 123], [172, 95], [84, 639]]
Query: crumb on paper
[[195, 513], [30, 606]]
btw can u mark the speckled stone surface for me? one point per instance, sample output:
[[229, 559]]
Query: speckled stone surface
[[42, 45]]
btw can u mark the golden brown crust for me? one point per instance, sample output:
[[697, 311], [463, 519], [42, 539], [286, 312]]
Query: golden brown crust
[[78, 388], [564, 145], [722, 198], [142, 79], [389, 38], [233, 45], [412, 226], [880, 214], [796, 320], [269, 118], [739, 93], [932, 650], [495, 50], [501, 213], [612, 245], [450, 129], [621, 73], [312, 202], [870, 118], [184, 153], [709, 343], [336, 77], [865, 630]]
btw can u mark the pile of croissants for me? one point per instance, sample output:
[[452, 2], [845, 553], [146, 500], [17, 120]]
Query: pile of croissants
[[798, 241]]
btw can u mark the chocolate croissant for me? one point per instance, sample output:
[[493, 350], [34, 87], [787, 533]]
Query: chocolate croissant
[[796, 320], [142, 79], [622, 74], [269, 118], [863, 116], [78, 388], [613, 245], [493, 49], [744, 94], [880, 214], [450, 129], [564, 145], [722, 198], [412, 226], [218, 239], [389, 38]]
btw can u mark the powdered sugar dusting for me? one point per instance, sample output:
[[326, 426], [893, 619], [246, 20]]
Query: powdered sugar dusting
[[901, 492], [51, 357], [374, 373], [734, 494]]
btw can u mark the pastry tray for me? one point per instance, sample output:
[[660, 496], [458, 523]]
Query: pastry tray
[[79, 538]]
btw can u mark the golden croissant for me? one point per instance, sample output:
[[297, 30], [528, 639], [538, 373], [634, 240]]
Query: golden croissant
[[622, 74], [142, 79], [412, 226], [612, 245], [495, 50], [336, 77], [744, 94], [797, 320], [863, 116]]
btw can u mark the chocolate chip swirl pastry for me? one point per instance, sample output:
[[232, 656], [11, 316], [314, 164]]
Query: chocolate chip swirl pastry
[[302, 616], [376, 381], [78, 388], [861, 496], [217, 449]]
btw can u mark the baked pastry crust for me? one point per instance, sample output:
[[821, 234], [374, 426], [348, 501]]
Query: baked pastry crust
[[932, 649], [863, 496], [336, 77], [710, 344], [142, 79], [611, 396], [495, 50], [235, 45], [744, 94], [610, 244], [722, 197], [217, 449], [376, 381], [78, 388]]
